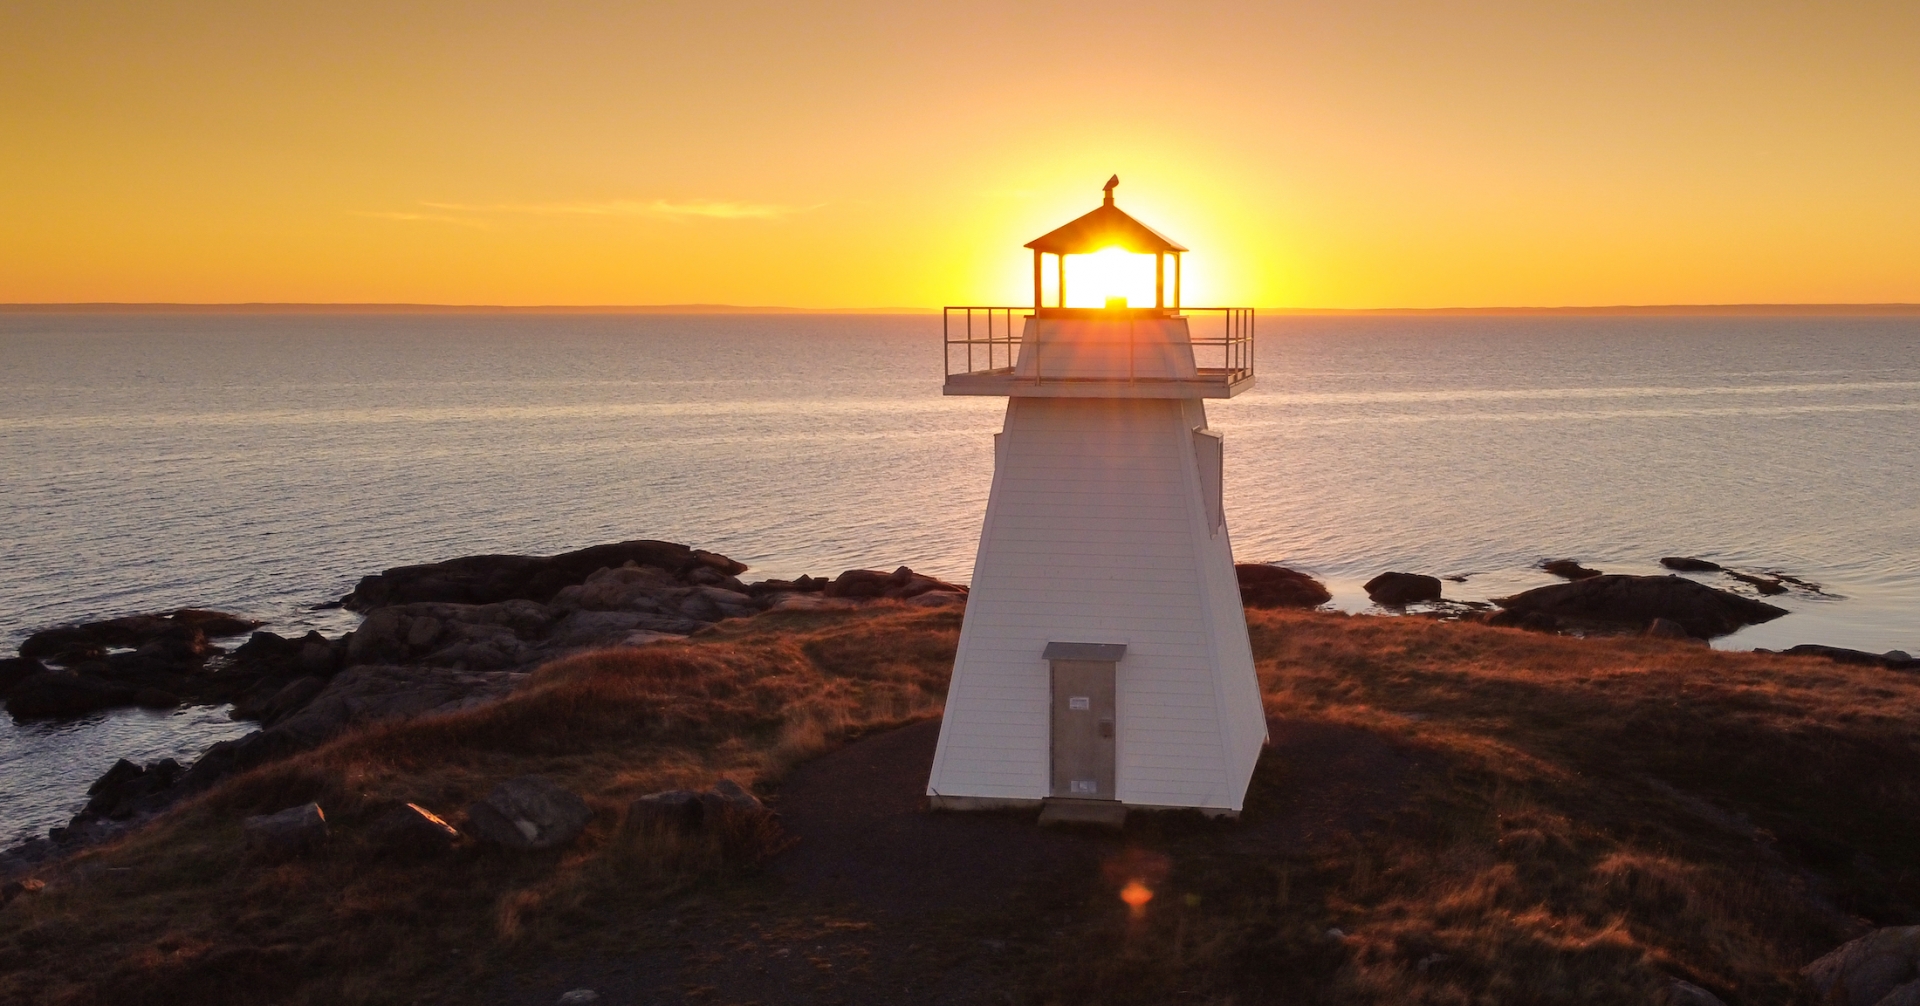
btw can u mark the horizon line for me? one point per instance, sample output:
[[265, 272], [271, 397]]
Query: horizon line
[[302, 307]]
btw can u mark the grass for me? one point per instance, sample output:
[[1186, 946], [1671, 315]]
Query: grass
[[1573, 821], [1591, 818]]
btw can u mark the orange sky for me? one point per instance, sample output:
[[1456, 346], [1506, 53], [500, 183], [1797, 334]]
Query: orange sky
[[1345, 154]]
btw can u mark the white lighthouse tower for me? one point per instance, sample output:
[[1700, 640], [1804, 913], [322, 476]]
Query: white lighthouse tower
[[1104, 662]]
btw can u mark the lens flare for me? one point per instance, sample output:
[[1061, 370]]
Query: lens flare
[[1136, 895]]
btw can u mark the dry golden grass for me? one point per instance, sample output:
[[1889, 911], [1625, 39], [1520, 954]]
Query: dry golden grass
[[175, 915], [1584, 818], [1593, 817]]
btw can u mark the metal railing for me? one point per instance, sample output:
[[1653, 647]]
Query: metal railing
[[987, 339], [1234, 343], [980, 340]]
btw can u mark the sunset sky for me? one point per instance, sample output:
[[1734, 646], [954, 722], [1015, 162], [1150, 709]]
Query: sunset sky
[[1352, 154]]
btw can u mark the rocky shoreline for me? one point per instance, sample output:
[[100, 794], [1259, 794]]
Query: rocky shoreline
[[436, 638], [447, 636]]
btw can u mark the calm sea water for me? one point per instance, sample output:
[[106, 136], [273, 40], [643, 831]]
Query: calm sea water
[[262, 463]]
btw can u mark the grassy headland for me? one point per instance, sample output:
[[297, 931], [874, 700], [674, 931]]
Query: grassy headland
[[1568, 820]]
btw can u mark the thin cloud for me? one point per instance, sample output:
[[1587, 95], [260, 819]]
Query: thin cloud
[[711, 209], [436, 218]]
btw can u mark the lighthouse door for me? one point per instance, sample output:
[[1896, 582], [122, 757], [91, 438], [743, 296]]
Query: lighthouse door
[[1083, 729]]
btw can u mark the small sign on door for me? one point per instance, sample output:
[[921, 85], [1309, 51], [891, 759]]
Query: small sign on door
[[1079, 702], [1083, 787]]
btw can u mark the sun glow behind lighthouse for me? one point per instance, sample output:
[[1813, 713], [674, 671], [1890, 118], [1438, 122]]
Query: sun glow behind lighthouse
[[1113, 272]]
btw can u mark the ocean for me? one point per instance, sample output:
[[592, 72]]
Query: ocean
[[261, 463]]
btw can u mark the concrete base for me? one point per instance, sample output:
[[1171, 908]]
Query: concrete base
[[1104, 813]]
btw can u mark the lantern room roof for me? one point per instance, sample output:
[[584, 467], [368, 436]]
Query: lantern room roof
[[1107, 227]]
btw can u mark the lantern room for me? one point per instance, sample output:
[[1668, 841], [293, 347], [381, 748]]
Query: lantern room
[[1107, 231], [1115, 350]]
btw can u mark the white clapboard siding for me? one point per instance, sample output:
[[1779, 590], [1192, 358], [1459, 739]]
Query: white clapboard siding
[[1101, 528]]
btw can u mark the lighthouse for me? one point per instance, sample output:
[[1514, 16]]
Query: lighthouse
[[1103, 663]]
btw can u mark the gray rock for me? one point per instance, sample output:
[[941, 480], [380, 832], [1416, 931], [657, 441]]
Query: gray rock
[[295, 831], [676, 809], [580, 997], [290, 699], [1679, 993], [363, 695], [625, 588], [1904, 995], [727, 801], [1842, 655], [1403, 588], [442, 634], [1864, 972], [529, 812], [595, 628], [411, 832], [482, 579], [1667, 628]]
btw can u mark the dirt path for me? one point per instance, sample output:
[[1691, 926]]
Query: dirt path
[[882, 901]]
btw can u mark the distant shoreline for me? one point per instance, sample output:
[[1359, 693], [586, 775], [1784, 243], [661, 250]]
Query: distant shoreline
[[1640, 310]]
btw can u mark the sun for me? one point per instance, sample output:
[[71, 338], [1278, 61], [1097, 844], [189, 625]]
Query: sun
[[1112, 272]]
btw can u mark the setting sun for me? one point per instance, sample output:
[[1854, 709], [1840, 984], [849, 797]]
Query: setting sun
[[1092, 280]]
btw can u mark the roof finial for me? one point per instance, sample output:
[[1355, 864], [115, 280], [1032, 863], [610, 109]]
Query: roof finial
[[1111, 182]]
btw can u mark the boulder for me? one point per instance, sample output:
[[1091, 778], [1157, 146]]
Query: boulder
[[1866, 971], [14, 670], [295, 831], [1263, 585], [1629, 603], [902, 583], [579, 997], [1842, 655], [1679, 993], [128, 789], [858, 584], [182, 632], [411, 831], [290, 699], [624, 588], [215, 624], [727, 801], [1688, 564], [477, 636], [674, 809], [1768, 585], [529, 812], [60, 694], [370, 694], [1667, 628], [487, 579], [803, 585], [1403, 588], [1568, 569]]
